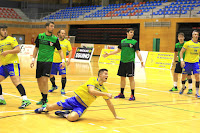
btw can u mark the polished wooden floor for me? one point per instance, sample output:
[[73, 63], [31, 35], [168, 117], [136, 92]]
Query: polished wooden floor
[[155, 110]]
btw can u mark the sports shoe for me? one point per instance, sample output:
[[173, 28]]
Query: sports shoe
[[132, 98], [63, 91], [189, 91], [61, 113], [2, 102], [197, 96], [25, 103], [120, 96], [53, 88], [174, 89], [40, 110], [182, 90], [41, 102]]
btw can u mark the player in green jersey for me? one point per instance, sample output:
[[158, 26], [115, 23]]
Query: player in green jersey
[[128, 47]]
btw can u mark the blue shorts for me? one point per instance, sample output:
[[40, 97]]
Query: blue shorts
[[10, 70], [72, 104], [189, 67], [56, 68]]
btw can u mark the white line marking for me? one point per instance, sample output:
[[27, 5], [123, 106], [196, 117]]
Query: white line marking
[[103, 127], [159, 123], [18, 96], [130, 92], [91, 123], [15, 111], [116, 131]]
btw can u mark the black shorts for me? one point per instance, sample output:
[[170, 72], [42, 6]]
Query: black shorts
[[179, 69], [126, 69], [43, 69]]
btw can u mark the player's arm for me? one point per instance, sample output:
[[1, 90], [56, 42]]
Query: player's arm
[[137, 50], [94, 92], [111, 53], [175, 55], [181, 57], [112, 109], [69, 59], [35, 52], [13, 51]]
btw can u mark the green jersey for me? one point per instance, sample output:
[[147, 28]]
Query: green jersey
[[178, 48], [46, 45], [128, 48]]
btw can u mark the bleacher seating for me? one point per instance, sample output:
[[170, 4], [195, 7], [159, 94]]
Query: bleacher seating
[[153, 8], [9, 13]]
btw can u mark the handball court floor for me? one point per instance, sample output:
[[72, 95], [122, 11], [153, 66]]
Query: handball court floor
[[155, 109]]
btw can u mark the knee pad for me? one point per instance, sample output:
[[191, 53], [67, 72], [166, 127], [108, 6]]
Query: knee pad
[[189, 81], [197, 84], [183, 82]]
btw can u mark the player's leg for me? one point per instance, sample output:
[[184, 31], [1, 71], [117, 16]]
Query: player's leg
[[2, 100], [62, 72], [122, 74], [196, 71], [54, 71], [189, 78], [14, 72], [48, 107], [3, 76], [130, 69], [177, 70], [186, 70], [63, 81]]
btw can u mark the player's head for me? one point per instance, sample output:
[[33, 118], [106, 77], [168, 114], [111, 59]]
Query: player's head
[[103, 74], [49, 26], [130, 32], [61, 34], [181, 37], [3, 30], [195, 35]]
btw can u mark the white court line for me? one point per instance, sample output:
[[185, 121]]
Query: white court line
[[130, 92], [15, 111], [159, 123], [116, 131], [103, 127], [91, 123], [18, 97]]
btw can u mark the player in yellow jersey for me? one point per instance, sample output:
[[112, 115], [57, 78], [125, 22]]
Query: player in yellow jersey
[[191, 60], [9, 62], [65, 46], [85, 95]]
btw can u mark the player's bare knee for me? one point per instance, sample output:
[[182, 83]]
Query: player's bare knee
[[73, 116]]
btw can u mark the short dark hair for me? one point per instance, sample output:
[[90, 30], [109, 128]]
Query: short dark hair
[[48, 23], [181, 33], [129, 29], [102, 70], [59, 31], [194, 31], [3, 26]]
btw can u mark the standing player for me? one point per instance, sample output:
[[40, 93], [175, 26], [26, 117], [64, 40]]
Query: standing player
[[65, 46], [45, 44], [178, 68], [9, 48], [191, 61], [128, 47], [85, 95]]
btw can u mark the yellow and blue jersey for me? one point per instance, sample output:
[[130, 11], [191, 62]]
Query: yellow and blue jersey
[[83, 92], [192, 51], [65, 46], [9, 43]]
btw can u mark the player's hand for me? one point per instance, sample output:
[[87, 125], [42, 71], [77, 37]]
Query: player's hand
[[62, 65], [32, 64], [142, 64], [105, 55], [109, 95], [182, 64], [4, 53], [68, 63], [119, 118]]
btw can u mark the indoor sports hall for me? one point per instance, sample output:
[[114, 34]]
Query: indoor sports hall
[[93, 28]]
